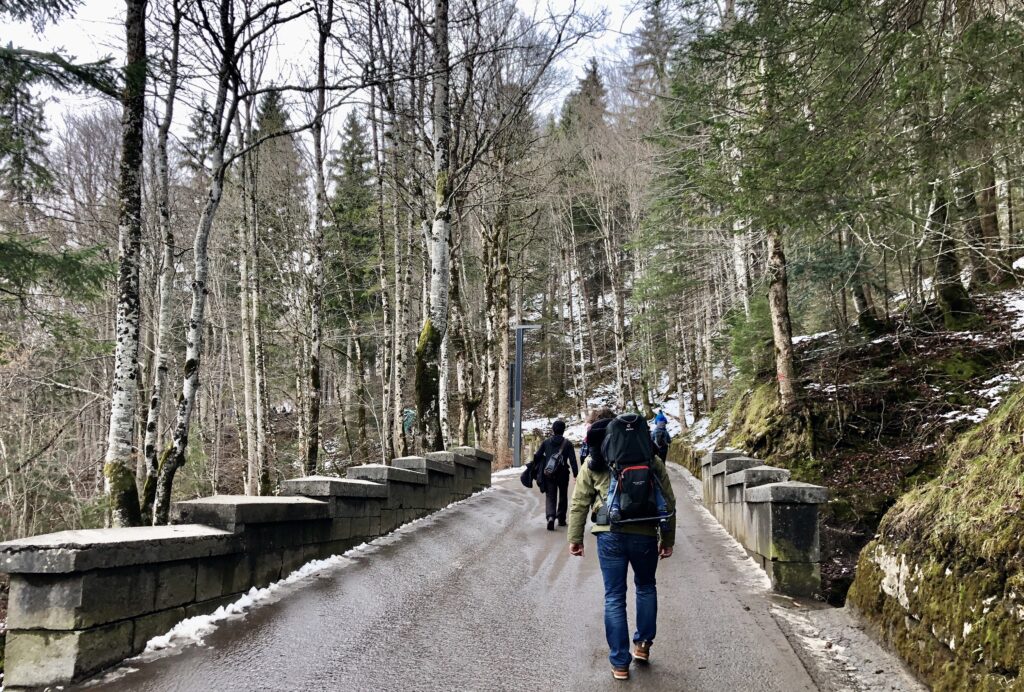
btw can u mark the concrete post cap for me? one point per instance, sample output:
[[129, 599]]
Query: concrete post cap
[[789, 492]]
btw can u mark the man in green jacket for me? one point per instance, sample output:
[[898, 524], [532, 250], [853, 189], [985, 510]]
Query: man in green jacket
[[618, 548]]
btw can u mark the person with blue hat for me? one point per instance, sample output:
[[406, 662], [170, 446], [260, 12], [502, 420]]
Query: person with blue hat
[[660, 436]]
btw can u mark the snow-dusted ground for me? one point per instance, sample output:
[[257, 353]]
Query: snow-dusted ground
[[576, 429]]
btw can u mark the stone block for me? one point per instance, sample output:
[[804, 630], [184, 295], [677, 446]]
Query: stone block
[[209, 606], [388, 521], [718, 473], [292, 559], [231, 512], [800, 579], [484, 462], [379, 473], [154, 625], [79, 601], [784, 533], [339, 547], [734, 510], [757, 475], [791, 492], [320, 487], [474, 452], [373, 527], [361, 527], [219, 576], [341, 528], [175, 584], [39, 658], [265, 567], [89, 549], [425, 464], [707, 461]]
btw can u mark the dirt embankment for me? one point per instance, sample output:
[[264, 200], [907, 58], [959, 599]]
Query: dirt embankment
[[878, 417]]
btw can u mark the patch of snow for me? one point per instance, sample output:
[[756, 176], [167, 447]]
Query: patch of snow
[[975, 416], [1018, 263], [811, 337], [506, 473], [194, 630], [1013, 303], [705, 439]]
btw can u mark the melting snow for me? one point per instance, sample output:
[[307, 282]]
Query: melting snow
[[811, 337], [194, 630]]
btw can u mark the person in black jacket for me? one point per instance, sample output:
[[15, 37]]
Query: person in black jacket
[[597, 427], [556, 485]]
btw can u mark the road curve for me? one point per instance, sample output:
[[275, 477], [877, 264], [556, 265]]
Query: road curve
[[482, 597]]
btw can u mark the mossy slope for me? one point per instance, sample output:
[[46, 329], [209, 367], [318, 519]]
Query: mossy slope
[[944, 580]]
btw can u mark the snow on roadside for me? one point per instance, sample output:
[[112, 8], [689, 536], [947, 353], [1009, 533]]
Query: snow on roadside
[[194, 630], [754, 578]]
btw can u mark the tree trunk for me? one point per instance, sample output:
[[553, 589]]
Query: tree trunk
[[954, 302], [119, 461], [429, 348], [166, 284], [782, 330], [316, 287], [988, 212]]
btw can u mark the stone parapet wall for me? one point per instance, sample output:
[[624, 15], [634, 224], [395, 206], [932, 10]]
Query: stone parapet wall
[[773, 518], [81, 601]]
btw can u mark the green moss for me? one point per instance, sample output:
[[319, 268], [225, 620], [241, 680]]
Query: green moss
[[961, 367], [122, 493], [428, 350], [760, 426], [962, 627]]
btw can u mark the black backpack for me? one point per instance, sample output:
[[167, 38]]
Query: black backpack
[[661, 442], [556, 462], [627, 441], [628, 449]]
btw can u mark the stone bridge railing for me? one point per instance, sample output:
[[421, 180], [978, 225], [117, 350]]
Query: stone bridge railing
[[774, 518], [81, 601]]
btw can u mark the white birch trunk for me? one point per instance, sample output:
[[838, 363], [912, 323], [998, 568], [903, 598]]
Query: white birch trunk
[[119, 460]]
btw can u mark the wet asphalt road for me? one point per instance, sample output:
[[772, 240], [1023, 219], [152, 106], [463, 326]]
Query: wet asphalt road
[[483, 597]]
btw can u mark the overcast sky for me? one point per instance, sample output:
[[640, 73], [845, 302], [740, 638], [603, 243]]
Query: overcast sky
[[96, 31]]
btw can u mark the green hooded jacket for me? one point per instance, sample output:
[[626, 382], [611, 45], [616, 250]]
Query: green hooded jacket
[[592, 492]]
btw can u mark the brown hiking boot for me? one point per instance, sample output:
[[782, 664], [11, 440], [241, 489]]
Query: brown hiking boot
[[620, 673], [642, 652]]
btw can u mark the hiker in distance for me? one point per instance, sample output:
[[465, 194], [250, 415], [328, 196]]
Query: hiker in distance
[[643, 533], [660, 436], [551, 464]]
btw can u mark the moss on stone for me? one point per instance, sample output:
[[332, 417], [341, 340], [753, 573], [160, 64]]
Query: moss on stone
[[961, 625]]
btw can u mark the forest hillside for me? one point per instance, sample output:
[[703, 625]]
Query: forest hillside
[[230, 257]]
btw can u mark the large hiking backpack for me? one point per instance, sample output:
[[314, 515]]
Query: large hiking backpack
[[628, 449], [627, 441]]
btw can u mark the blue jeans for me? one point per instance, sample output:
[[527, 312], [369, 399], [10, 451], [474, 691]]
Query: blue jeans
[[617, 552]]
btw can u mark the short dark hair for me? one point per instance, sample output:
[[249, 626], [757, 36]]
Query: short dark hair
[[558, 427]]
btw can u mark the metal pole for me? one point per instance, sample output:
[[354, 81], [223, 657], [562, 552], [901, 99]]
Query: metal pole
[[517, 394], [511, 403], [517, 434]]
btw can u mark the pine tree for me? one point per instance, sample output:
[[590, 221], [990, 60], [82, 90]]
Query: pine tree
[[24, 169]]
